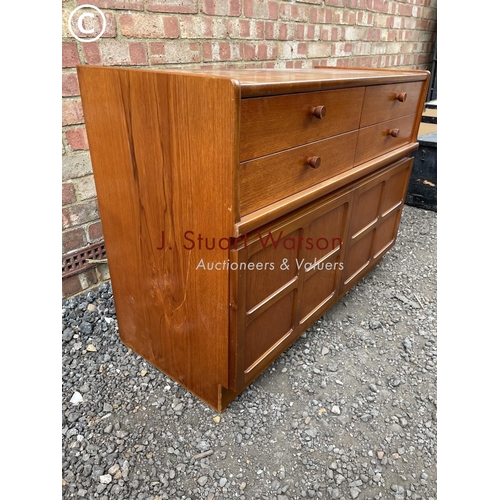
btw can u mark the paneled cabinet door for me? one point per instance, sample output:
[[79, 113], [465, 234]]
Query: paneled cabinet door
[[287, 275], [375, 215]]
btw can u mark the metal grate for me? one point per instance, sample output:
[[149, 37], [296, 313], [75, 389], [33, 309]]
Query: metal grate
[[83, 259]]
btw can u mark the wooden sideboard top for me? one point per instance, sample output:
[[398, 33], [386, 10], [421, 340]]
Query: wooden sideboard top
[[256, 82]]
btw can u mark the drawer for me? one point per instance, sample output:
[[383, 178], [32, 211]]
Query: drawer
[[383, 137], [274, 177], [272, 124], [386, 102]]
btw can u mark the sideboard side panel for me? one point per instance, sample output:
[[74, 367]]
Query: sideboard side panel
[[164, 149]]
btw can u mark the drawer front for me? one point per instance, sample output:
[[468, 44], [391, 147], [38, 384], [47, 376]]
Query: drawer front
[[274, 177], [386, 102], [272, 124], [383, 137]]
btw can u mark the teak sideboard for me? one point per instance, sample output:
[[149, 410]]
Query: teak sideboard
[[239, 205]]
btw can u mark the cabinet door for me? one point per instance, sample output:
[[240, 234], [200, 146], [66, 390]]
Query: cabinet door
[[375, 216], [283, 278]]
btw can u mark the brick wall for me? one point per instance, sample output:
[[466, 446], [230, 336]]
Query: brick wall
[[246, 33]]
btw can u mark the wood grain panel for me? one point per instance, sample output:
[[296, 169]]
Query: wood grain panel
[[264, 332], [338, 183], [374, 221], [381, 102], [358, 256], [395, 190], [309, 244], [386, 232], [260, 81], [377, 140], [271, 124], [159, 172], [263, 281], [320, 286], [367, 208], [266, 180]]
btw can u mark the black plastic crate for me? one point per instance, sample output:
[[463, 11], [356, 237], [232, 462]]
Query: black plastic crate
[[422, 189]]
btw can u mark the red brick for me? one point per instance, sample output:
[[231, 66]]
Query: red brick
[[292, 12], [311, 32], [70, 57], [221, 51], [77, 138], [261, 9], [320, 15], [85, 187], [302, 48], [349, 17], [207, 51], [175, 51], [148, 26], [95, 232], [77, 283], [257, 29], [76, 165], [70, 85], [72, 113], [73, 239], [249, 52], [262, 52], [91, 53], [138, 54], [380, 6], [239, 28], [270, 30], [405, 10], [122, 53], [224, 51], [221, 7], [116, 4], [68, 193], [283, 31], [422, 24], [102, 271], [179, 6], [71, 286], [423, 58], [208, 27], [80, 213]]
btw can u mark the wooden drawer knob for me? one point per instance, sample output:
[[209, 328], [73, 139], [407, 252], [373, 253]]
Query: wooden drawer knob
[[394, 132], [401, 97], [319, 112], [314, 161]]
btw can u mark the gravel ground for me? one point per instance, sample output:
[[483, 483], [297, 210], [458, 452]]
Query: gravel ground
[[347, 412]]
